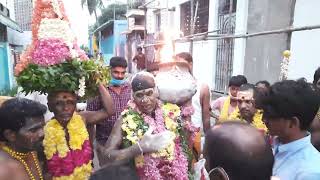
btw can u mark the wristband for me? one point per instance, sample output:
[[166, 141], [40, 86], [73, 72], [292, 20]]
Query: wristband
[[140, 148]]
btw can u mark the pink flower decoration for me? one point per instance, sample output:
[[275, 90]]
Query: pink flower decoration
[[82, 55], [187, 111], [73, 159], [50, 52], [171, 114], [160, 168]]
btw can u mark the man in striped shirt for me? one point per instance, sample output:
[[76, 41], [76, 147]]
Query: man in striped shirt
[[120, 91]]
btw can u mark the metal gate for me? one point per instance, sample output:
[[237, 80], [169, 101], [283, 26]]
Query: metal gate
[[225, 49]]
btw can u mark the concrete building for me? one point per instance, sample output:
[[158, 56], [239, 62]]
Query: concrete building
[[23, 13], [258, 57], [134, 33], [111, 41], [8, 46]]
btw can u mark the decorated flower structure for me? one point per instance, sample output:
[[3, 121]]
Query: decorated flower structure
[[54, 61]]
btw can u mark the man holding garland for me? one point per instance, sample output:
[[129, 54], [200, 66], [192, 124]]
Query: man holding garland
[[151, 133]]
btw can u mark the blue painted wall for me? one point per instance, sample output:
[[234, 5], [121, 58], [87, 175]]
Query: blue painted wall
[[114, 45], [106, 47], [120, 39], [4, 67]]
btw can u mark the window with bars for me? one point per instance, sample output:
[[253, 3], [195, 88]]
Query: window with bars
[[224, 6], [201, 20], [225, 47], [3, 33]]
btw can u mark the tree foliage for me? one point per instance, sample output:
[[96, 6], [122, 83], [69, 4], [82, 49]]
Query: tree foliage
[[92, 5], [134, 4], [107, 14]]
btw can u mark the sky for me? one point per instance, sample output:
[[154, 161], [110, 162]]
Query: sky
[[80, 19]]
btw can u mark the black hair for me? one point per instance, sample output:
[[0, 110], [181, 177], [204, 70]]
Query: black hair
[[288, 99], [14, 113], [142, 80], [186, 56], [265, 83], [261, 93], [115, 172], [316, 76], [248, 86], [237, 80], [224, 149], [139, 48], [118, 61]]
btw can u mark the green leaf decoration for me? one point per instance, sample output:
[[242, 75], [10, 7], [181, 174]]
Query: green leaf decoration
[[64, 76]]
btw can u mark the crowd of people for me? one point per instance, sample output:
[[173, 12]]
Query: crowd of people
[[262, 131]]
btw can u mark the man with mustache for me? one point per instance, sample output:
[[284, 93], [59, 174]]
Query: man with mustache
[[22, 122], [247, 110]]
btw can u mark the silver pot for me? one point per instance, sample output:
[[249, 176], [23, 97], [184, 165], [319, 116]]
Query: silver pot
[[175, 83]]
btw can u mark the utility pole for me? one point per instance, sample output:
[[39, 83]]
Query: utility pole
[[114, 10], [194, 14]]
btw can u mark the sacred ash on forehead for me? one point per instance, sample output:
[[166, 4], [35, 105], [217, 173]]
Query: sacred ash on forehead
[[142, 80]]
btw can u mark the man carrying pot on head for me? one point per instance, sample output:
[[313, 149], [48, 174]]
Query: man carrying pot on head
[[150, 136]]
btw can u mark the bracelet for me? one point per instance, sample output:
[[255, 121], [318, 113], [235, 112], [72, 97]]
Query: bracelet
[[140, 148]]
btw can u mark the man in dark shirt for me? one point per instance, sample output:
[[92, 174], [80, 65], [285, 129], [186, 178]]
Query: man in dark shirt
[[140, 59], [120, 91]]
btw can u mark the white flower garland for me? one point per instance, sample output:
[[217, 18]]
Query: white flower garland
[[284, 66], [56, 28], [56, 8], [82, 87]]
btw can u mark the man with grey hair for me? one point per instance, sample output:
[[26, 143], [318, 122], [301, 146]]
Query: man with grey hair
[[142, 135]]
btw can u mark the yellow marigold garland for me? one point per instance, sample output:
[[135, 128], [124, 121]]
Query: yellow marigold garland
[[55, 142], [130, 124], [257, 119], [225, 110], [55, 137]]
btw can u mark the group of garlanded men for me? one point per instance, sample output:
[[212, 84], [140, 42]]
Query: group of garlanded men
[[262, 132]]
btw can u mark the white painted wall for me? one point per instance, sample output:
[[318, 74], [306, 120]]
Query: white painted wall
[[305, 44], [240, 43], [204, 52]]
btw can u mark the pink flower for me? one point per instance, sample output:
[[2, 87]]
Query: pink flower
[[187, 111], [55, 168], [84, 155], [82, 55], [160, 168], [58, 166], [171, 114], [50, 52]]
